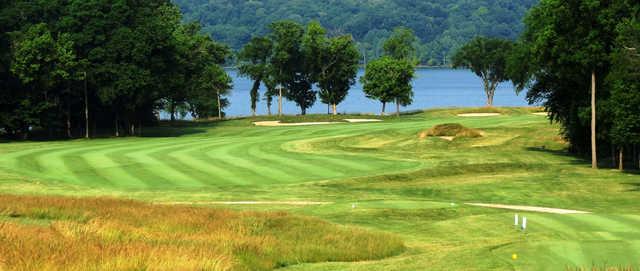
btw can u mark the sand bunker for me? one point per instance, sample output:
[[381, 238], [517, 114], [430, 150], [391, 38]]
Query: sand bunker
[[300, 203], [278, 123], [541, 114], [529, 208], [478, 114], [362, 120]]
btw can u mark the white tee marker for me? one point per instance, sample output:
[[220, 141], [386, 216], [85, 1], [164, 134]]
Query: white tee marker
[[524, 223], [515, 220]]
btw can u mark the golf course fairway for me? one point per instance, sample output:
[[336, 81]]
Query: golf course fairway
[[379, 177]]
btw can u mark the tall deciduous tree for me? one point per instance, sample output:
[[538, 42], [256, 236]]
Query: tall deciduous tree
[[487, 58], [338, 70], [287, 58], [46, 63], [625, 94], [401, 44], [254, 63], [207, 97], [387, 79], [131, 57], [564, 54]]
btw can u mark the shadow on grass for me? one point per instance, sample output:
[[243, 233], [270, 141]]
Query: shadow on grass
[[634, 187], [162, 129], [574, 159], [178, 128]]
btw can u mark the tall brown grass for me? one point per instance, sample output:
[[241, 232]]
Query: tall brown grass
[[58, 233]]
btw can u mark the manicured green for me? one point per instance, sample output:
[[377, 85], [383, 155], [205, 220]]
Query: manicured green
[[400, 183]]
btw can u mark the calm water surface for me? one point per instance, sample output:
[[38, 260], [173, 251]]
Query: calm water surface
[[433, 87]]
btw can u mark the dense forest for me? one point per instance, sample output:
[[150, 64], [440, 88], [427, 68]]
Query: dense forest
[[580, 59], [71, 68], [442, 26]]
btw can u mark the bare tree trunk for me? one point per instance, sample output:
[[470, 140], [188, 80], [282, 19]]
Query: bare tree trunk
[[594, 155], [117, 126], [397, 108], [254, 96], [614, 159], [487, 91], [335, 109], [269, 106], [86, 108], [621, 157], [219, 105], [172, 108], [132, 129], [69, 123], [280, 101], [384, 104], [491, 95], [636, 156]]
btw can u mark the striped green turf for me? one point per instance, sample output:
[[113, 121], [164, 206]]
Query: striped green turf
[[396, 181]]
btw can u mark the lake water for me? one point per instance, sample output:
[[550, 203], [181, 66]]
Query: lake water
[[433, 87]]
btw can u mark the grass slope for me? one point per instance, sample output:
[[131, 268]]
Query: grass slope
[[396, 181], [58, 233]]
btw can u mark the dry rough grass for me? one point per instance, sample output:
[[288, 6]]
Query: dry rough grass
[[58, 233], [451, 130]]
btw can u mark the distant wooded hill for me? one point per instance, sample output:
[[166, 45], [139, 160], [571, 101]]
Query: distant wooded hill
[[441, 25]]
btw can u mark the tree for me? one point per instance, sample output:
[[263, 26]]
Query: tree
[[339, 69], [625, 95], [387, 79], [295, 61], [270, 84], [487, 58], [129, 58], [446, 25], [401, 44], [287, 58], [207, 97], [254, 61], [46, 63], [310, 59], [564, 54]]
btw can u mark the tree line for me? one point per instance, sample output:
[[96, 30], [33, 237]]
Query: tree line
[[441, 26], [580, 60], [76, 67], [291, 59]]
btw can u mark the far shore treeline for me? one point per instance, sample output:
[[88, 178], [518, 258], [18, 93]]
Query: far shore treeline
[[78, 68]]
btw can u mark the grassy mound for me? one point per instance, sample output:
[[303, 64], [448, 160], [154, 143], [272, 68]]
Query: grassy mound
[[452, 130], [58, 233]]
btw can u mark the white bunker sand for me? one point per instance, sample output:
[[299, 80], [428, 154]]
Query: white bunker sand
[[478, 114], [362, 120], [278, 123], [541, 113], [529, 208]]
